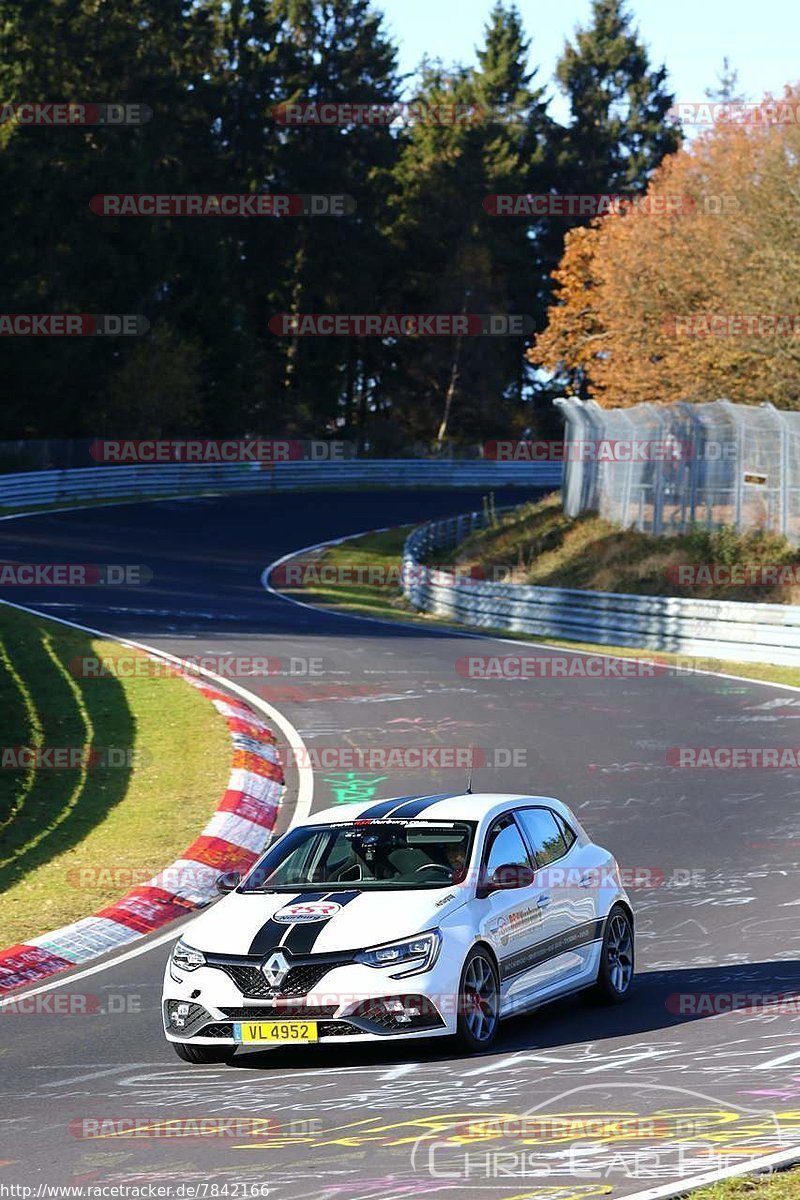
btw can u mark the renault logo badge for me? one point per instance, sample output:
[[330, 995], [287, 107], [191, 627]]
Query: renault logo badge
[[275, 969]]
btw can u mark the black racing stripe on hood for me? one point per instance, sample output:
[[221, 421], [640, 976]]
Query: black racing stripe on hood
[[271, 932], [418, 805], [302, 937]]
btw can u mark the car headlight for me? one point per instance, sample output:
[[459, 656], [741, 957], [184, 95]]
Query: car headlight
[[186, 958], [418, 953]]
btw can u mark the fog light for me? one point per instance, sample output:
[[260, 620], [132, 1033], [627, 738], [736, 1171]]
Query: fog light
[[178, 1015], [402, 1011]]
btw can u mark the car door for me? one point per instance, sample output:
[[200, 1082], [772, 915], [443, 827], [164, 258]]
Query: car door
[[570, 897], [515, 922]]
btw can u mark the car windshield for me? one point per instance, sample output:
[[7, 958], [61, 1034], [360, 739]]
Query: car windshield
[[381, 854]]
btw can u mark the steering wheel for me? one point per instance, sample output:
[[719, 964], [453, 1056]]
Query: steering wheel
[[432, 866]]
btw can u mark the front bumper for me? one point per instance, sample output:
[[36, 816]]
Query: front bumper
[[351, 1002]]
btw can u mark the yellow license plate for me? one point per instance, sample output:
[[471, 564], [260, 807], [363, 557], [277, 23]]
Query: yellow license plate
[[269, 1032]]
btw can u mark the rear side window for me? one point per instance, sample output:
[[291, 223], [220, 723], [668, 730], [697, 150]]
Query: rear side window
[[544, 834], [569, 834]]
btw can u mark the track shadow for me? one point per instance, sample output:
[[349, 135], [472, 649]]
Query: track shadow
[[51, 809], [653, 1005]]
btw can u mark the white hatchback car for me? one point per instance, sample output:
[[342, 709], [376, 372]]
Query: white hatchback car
[[414, 917]]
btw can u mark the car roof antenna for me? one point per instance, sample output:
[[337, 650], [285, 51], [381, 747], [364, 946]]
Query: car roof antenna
[[469, 780]]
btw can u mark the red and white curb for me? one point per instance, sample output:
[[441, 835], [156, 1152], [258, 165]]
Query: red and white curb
[[233, 839]]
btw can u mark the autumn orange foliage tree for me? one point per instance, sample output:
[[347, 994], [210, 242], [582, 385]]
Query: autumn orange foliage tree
[[718, 237]]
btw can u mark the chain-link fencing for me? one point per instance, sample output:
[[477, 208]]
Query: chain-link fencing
[[663, 468]]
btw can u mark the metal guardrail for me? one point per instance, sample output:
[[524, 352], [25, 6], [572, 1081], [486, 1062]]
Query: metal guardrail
[[721, 629], [180, 479]]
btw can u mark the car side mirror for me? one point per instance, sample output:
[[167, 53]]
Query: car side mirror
[[506, 878], [512, 875], [228, 882]]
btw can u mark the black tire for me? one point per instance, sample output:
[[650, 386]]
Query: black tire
[[478, 1008], [617, 955], [203, 1054]]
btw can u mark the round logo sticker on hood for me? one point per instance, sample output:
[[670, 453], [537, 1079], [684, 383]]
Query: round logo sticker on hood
[[311, 910]]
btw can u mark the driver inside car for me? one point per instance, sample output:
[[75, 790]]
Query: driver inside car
[[408, 860], [455, 853]]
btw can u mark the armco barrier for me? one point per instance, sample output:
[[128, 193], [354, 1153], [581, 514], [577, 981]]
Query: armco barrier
[[234, 838], [181, 479], [722, 629]]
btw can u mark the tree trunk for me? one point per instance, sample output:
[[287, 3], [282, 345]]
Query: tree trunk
[[451, 391]]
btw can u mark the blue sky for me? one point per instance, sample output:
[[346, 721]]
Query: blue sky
[[689, 36]]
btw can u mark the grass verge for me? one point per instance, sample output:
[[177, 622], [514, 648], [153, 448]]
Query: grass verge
[[313, 579], [537, 544], [74, 838], [782, 1185]]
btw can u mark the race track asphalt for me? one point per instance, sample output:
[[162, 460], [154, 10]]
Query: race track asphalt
[[618, 1100]]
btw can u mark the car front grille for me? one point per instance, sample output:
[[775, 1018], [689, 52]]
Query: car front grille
[[293, 1012], [298, 982]]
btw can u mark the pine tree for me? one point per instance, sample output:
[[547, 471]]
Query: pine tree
[[618, 131], [617, 135], [335, 51], [61, 257], [457, 257], [726, 90]]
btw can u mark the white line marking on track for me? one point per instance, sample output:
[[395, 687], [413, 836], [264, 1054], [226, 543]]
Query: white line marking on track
[[104, 1071], [625, 1062], [398, 1071], [776, 1062], [49, 512]]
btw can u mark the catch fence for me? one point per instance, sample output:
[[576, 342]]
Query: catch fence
[[663, 468]]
